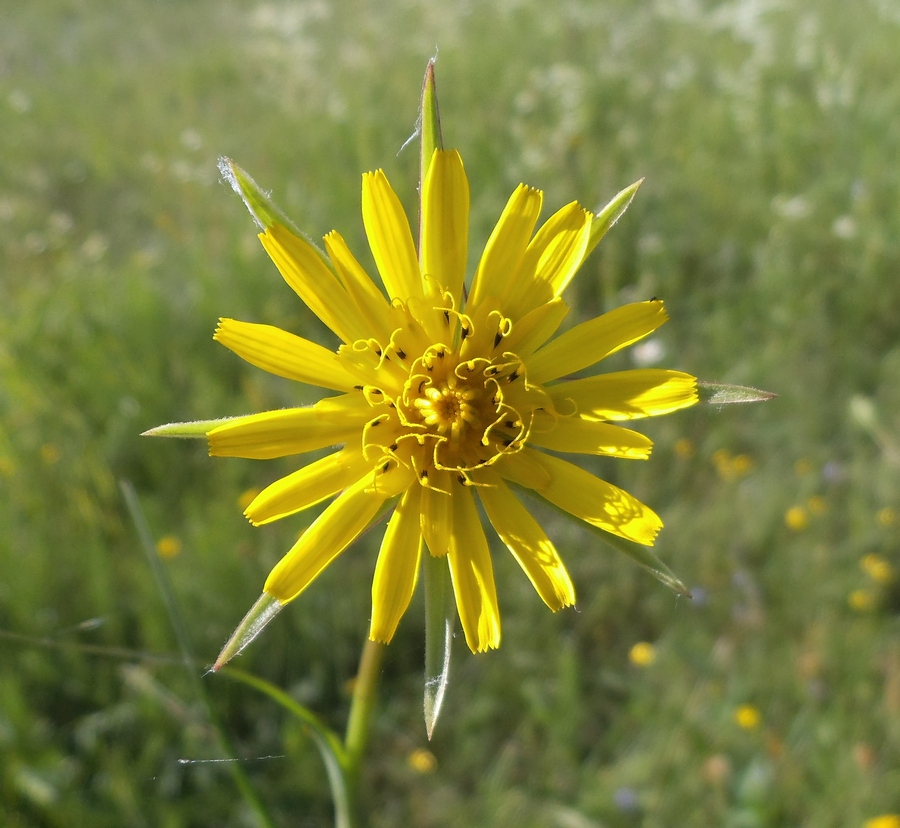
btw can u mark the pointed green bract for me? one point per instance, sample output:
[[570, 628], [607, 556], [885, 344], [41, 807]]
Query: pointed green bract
[[193, 430], [440, 607], [261, 613], [264, 211], [440, 612], [430, 126], [716, 393], [642, 555], [610, 214], [646, 558]]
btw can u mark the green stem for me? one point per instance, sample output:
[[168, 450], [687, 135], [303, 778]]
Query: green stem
[[360, 719]]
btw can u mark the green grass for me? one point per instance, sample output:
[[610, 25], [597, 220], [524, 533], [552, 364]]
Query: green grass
[[768, 222]]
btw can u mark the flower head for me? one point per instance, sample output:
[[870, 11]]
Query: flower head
[[442, 398]]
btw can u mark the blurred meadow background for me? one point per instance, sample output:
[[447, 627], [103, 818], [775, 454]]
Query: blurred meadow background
[[769, 222]]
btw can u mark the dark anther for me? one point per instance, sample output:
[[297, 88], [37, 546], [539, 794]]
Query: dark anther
[[440, 354], [393, 446], [465, 332], [510, 424], [513, 376], [424, 474], [386, 466], [378, 350], [401, 353], [357, 388], [375, 423], [653, 299], [447, 316], [421, 386], [508, 441], [461, 478], [391, 405], [497, 338], [377, 391]]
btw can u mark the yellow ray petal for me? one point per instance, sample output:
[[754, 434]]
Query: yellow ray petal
[[473, 575], [505, 248], [588, 343], [284, 354], [360, 287], [437, 516], [397, 569], [304, 270], [524, 468], [572, 434], [528, 543], [332, 532], [595, 501], [390, 238], [626, 395], [552, 259], [291, 430], [445, 222], [308, 486], [535, 328]]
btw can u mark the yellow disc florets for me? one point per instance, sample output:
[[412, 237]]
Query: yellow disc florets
[[447, 408]]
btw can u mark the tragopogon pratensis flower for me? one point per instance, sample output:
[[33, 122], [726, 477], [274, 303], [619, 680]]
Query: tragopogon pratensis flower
[[443, 397]]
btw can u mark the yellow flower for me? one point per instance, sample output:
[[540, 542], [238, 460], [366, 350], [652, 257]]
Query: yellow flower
[[247, 497], [887, 516], [748, 717], [168, 546], [642, 654], [862, 600], [796, 518], [684, 447], [817, 505], [877, 568], [883, 821], [442, 395], [422, 761]]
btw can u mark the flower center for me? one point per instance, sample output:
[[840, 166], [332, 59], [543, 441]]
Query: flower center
[[450, 410]]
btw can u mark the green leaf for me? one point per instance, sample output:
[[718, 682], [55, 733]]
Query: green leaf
[[716, 393], [192, 430], [440, 614], [264, 211], [610, 214], [254, 622], [327, 742]]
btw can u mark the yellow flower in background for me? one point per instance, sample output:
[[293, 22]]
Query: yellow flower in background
[[861, 600], [748, 717], [883, 821], [817, 505], [877, 568], [886, 516], [422, 761], [443, 399], [168, 546], [642, 654], [796, 518]]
